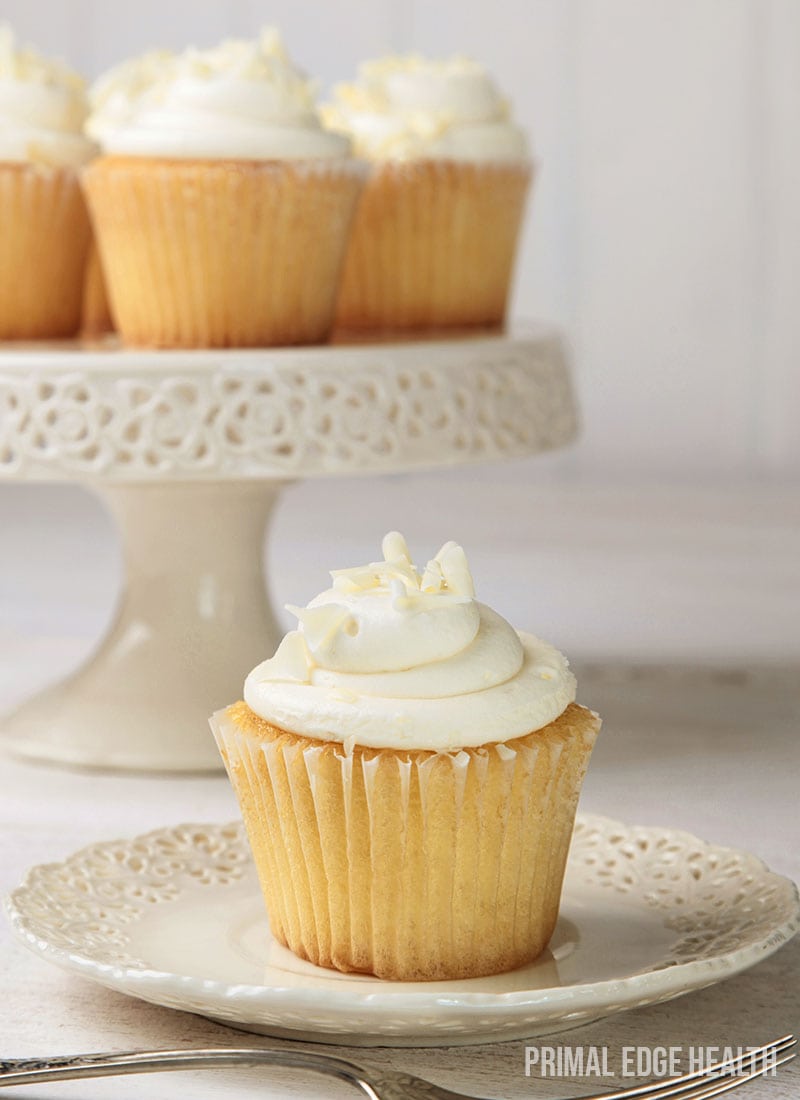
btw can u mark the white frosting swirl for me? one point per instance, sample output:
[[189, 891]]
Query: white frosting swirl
[[409, 108], [42, 109], [391, 658], [117, 95], [242, 100]]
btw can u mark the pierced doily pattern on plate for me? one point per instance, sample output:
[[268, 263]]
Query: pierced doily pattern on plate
[[335, 411], [88, 902], [715, 899]]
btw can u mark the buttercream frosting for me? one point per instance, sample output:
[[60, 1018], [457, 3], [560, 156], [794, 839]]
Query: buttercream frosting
[[117, 95], [42, 108], [240, 100], [409, 108], [394, 657]]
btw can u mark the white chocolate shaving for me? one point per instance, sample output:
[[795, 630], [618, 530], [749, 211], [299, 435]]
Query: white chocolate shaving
[[395, 548]]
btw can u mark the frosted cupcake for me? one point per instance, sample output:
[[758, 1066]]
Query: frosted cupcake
[[435, 238], [221, 205], [44, 226], [408, 767]]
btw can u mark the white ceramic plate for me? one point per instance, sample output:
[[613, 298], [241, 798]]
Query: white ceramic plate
[[176, 917]]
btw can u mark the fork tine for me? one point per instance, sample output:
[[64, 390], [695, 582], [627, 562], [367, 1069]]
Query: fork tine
[[681, 1087], [725, 1084], [730, 1073], [777, 1046]]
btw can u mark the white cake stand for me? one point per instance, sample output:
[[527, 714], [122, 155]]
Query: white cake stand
[[190, 450]]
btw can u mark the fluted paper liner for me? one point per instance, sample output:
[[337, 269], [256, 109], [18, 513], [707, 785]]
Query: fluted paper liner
[[222, 253], [44, 239], [409, 865], [96, 319], [433, 246]]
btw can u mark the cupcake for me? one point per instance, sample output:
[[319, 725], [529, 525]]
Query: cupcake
[[408, 766], [44, 226], [111, 100], [436, 233], [221, 205], [96, 319]]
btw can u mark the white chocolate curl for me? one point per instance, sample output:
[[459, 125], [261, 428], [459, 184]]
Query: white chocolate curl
[[389, 657]]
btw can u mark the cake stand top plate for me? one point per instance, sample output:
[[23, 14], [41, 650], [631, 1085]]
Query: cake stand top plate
[[100, 412]]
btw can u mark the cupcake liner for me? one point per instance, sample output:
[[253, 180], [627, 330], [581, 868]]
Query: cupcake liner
[[409, 865], [45, 232], [96, 319], [222, 253], [433, 246]]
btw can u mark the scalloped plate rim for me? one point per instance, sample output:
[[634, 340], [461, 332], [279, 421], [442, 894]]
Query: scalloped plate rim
[[549, 1004]]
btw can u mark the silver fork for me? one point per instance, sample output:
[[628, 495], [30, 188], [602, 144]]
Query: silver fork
[[378, 1084]]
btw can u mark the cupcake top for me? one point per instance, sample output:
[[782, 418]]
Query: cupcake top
[[117, 95], [42, 109], [389, 657], [242, 100], [411, 108]]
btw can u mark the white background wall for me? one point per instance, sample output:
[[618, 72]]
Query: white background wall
[[665, 226]]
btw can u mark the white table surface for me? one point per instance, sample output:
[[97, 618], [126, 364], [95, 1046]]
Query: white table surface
[[705, 737]]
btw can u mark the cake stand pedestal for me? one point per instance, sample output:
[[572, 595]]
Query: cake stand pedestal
[[190, 450]]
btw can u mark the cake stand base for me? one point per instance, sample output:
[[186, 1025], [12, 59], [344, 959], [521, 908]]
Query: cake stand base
[[192, 619]]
